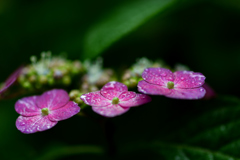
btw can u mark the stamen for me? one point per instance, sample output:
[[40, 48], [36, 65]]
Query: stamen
[[45, 111], [170, 85], [115, 100]]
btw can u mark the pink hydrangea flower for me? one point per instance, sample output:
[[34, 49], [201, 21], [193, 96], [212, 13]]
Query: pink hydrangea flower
[[10, 80], [39, 113], [179, 85], [114, 99]]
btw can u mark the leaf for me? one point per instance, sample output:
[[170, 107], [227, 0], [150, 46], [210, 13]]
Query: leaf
[[64, 151], [168, 151], [182, 152], [120, 22], [212, 134]]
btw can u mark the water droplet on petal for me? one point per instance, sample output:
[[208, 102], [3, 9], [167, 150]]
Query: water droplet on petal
[[182, 78]]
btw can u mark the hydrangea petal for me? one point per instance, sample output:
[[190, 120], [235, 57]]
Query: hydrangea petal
[[159, 76], [210, 93], [188, 79], [113, 89], [11, 79], [139, 99], [194, 93], [127, 95], [69, 110], [95, 99], [152, 89], [27, 106], [53, 99], [34, 124], [111, 110]]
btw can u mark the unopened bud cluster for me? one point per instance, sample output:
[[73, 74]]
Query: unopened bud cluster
[[49, 71], [95, 76], [133, 75]]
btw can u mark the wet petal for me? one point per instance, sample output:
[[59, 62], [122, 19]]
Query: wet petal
[[27, 106], [34, 124], [111, 110], [126, 95], [210, 93], [195, 93], [139, 99], [95, 99], [159, 76], [188, 79], [152, 89], [11, 79], [113, 89], [53, 99], [67, 111]]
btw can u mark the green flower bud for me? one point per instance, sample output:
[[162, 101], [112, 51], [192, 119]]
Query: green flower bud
[[66, 80], [43, 79]]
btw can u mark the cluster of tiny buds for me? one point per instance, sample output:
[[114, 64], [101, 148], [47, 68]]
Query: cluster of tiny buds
[[133, 75], [74, 96], [49, 71]]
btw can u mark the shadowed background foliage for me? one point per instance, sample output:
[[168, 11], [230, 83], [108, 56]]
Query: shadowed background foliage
[[202, 34]]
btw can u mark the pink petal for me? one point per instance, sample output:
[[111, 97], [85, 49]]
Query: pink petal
[[126, 95], [11, 79], [139, 99], [67, 111], [53, 99], [159, 76], [95, 99], [113, 89], [210, 93], [111, 110], [195, 93], [27, 106], [34, 124], [188, 79], [152, 89]]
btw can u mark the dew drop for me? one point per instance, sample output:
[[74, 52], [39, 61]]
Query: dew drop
[[182, 78], [193, 82]]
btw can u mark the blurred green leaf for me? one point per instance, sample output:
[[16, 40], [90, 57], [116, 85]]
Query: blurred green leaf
[[119, 23], [213, 134], [168, 151], [60, 152], [181, 152]]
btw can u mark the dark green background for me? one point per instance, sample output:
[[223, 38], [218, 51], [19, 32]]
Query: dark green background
[[202, 34]]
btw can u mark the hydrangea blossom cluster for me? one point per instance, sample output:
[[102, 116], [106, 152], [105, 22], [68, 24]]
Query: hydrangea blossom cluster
[[39, 113], [114, 99], [179, 85]]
